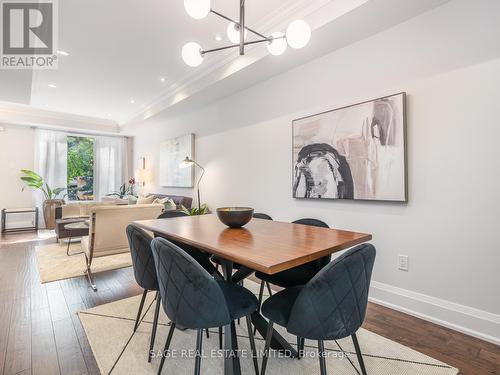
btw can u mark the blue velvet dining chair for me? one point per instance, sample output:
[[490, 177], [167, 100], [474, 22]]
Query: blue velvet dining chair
[[193, 299], [296, 276], [331, 306], [144, 273]]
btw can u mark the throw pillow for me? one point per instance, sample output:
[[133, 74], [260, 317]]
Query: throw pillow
[[167, 202], [146, 200]]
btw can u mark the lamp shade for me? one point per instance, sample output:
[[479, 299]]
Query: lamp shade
[[278, 45], [298, 34], [197, 9], [191, 54], [187, 162]]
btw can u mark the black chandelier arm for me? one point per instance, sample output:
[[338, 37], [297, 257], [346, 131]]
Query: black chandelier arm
[[237, 45], [238, 24]]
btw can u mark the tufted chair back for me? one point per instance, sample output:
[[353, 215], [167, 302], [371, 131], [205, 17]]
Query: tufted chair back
[[191, 297], [321, 262], [142, 257], [333, 304], [172, 213], [258, 215]]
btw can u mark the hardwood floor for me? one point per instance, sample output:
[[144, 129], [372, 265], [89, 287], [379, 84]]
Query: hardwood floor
[[41, 334]]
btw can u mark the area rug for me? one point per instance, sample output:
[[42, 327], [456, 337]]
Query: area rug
[[54, 264], [118, 350]]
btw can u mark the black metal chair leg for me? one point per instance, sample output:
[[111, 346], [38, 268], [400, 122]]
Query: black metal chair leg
[[167, 345], [299, 347], [208, 334], [269, 335], [358, 353], [144, 294], [197, 363], [261, 295], [155, 325], [252, 344], [321, 356], [220, 338], [269, 289]]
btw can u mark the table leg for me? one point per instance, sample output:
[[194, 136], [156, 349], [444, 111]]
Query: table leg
[[231, 357], [278, 342]]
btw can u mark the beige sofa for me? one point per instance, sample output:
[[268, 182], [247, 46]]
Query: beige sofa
[[107, 234]]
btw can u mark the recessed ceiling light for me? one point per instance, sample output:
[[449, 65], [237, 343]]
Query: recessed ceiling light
[[132, 101], [62, 53], [218, 37], [162, 79], [52, 86]]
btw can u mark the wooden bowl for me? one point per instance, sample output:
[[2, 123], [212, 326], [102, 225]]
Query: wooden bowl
[[235, 217]]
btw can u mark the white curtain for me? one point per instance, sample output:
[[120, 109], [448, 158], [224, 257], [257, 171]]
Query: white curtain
[[110, 166], [51, 152]]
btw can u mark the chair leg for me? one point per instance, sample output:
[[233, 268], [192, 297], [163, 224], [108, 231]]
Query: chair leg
[[252, 344], [358, 353], [144, 294], [269, 289], [261, 295], [208, 334], [155, 325], [197, 363], [220, 338], [269, 335], [167, 345], [88, 272], [321, 356], [299, 347]]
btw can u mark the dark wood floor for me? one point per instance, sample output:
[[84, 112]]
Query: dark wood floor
[[40, 333]]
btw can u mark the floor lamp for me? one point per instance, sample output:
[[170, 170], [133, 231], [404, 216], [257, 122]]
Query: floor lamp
[[187, 162]]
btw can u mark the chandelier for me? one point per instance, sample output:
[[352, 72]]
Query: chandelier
[[297, 34]]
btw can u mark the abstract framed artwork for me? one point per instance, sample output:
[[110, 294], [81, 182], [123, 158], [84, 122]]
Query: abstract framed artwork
[[172, 153], [356, 152]]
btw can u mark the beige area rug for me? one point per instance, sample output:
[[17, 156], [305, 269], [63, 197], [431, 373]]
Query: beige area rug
[[118, 350], [54, 264]]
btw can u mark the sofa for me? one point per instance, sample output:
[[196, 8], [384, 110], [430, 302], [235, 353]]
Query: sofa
[[179, 200], [107, 235]]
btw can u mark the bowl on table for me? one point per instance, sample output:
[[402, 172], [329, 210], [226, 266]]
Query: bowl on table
[[235, 217]]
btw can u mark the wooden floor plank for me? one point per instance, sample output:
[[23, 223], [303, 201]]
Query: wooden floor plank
[[18, 353]]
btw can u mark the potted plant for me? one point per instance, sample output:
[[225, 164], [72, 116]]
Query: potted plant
[[124, 191], [35, 181], [203, 210]]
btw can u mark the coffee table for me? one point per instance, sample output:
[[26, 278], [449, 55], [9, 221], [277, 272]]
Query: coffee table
[[72, 227]]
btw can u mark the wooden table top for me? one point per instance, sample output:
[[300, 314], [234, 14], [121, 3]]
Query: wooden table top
[[263, 245]]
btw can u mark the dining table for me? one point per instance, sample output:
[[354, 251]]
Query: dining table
[[261, 245]]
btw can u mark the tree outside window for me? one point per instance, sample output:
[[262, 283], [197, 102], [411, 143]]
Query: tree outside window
[[80, 168]]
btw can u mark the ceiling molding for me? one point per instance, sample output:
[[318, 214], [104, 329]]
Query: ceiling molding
[[26, 115]]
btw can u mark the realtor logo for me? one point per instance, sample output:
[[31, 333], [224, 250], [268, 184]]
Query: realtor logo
[[28, 34]]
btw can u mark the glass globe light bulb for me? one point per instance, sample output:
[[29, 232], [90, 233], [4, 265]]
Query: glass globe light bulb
[[191, 54], [298, 34], [197, 9], [233, 32], [278, 45]]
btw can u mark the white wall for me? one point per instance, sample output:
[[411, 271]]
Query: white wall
[[16, 152], [447, 61]]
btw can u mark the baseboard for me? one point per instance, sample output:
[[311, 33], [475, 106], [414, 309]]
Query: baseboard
[[474, 322]]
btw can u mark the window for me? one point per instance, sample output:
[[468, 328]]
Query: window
[[80, 168]]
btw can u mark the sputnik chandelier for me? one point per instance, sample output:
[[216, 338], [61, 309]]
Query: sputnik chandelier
[[297, 34]]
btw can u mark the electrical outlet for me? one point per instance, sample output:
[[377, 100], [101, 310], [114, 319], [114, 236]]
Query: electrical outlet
[[403, 262]]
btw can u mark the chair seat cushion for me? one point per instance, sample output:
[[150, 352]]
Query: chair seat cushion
[[278, 307], [240, 301], [293, 277]]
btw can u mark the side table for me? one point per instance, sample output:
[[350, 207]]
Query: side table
[[78, 229]]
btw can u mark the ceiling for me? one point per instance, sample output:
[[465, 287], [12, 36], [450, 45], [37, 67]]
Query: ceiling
[[120, 49]]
